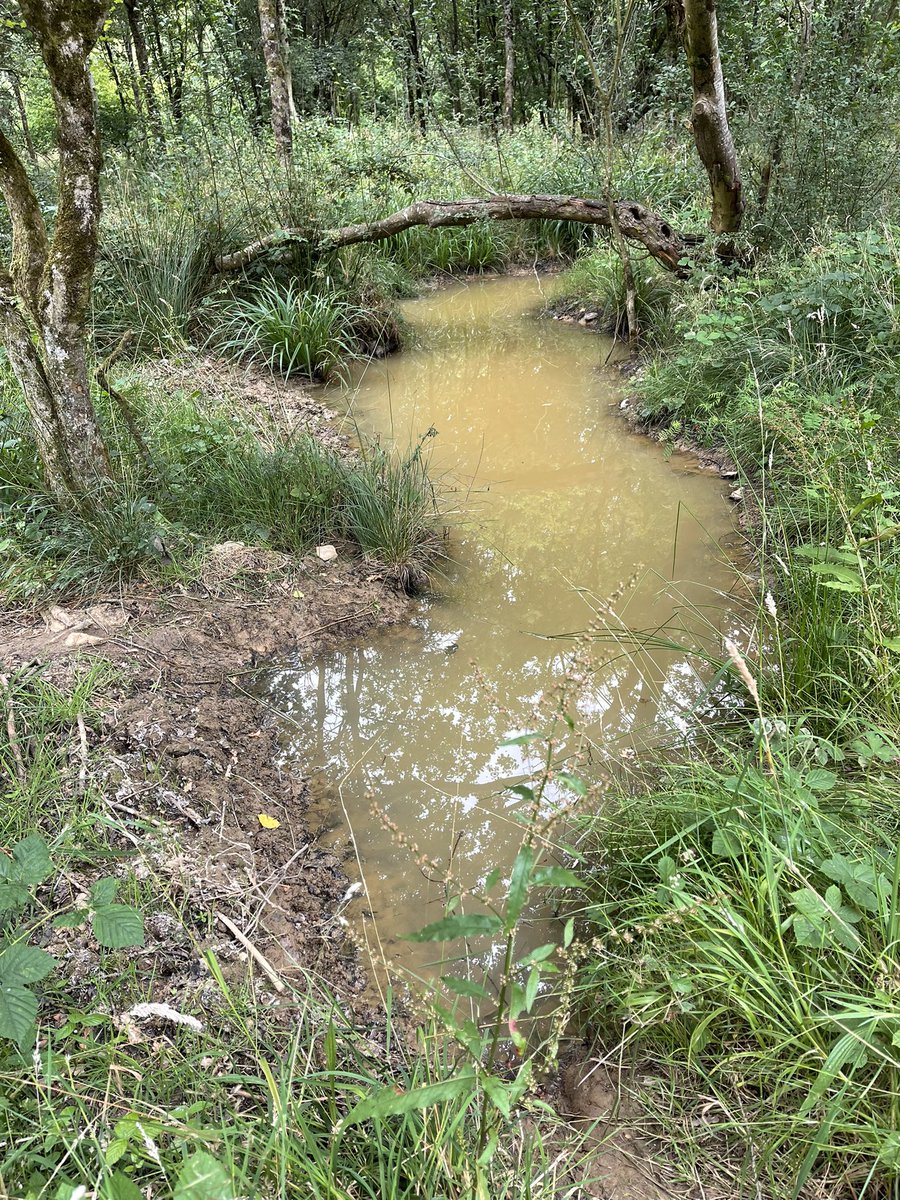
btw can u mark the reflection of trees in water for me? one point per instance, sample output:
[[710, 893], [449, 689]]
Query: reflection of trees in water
[[411, 720]]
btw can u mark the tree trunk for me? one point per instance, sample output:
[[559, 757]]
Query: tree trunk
[[23, 115], [635, 222], [509, 69], [274, 44], [416, 89], [136, 28], [44, 296], [708, 116]]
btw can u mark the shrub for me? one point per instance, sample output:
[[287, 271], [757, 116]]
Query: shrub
[[291, 331], [596, 280]]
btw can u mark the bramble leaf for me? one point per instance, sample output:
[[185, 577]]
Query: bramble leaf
[[390, 1102], [117, 925], [32, 860], [453, 927], [21, 964]]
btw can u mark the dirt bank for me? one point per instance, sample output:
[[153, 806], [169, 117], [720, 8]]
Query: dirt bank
[[181, 756]]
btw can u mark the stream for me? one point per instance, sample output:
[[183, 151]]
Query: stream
[[564, 506]]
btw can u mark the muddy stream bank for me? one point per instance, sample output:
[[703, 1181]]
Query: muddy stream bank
[[563, 507]]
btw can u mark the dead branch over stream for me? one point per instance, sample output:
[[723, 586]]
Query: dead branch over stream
[[637, 223]]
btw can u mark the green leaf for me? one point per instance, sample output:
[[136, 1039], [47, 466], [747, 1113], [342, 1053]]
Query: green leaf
[[820, 780], [519, 885], [24, 964], [390, 1102], [666, 868], [18, 1012], [523, 739], [556, 877], [859, 880], [13, 896], [465, 987], [117, 925], [726, 844], [498, 1094], [821, 920], [120, 1187], [840, 571], [492, 879], [568, 933], [32, 860], [203, 1178], [889, 1151], [70, 920], [572, 782], [538, 954], [531, 988], [104, 891], [454, 927], [866, 502]]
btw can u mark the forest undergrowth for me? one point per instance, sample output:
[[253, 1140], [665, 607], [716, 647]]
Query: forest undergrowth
[[734, 937]]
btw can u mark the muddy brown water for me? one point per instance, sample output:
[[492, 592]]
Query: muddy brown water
[[565, 506]]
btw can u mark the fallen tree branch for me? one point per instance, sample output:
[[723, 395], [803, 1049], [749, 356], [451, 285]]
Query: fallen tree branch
[[637, 223]]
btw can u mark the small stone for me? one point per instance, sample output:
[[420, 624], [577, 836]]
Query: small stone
[[737, 495], [326, 553], [77, 638], [591, 316], [728, 473], [623, 404]]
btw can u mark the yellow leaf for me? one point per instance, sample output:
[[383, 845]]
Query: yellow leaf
[[267, 822]]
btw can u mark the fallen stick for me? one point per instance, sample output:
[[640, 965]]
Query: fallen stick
[[277, 982], [11, 731]]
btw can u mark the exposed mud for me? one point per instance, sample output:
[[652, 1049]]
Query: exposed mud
[[188, 765]]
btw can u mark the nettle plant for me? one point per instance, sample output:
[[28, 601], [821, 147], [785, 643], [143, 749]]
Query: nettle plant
[[23, 870], [497, 1063]]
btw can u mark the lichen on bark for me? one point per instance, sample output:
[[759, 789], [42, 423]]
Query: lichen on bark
[[45, 295]]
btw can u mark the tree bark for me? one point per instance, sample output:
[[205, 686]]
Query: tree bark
[[635, 222], [274, 44], [45, 294], [509, 68], [23, 115], [136, 28], [709, 119]]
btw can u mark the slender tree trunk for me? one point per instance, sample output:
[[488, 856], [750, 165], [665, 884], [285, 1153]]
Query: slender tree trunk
[[136, 28], [416, 89], [117, 81], [509, 69], [709, 119], [776, 146], [44, 296], [274, 45], [23, 115]]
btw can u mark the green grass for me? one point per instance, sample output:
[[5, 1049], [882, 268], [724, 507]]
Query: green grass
[[44, 741], [216, 477], [596, 281], [747, 900], [256, 1101], [291, 331]]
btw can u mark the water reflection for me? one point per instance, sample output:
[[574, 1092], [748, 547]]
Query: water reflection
[[567, 508]]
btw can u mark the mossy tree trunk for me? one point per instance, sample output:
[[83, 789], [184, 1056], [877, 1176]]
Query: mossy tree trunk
[[509, 65], [45, 292], [709, 118], [278, 70]]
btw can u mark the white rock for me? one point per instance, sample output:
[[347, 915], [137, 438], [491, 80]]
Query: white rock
[[326, 553], [737, 495]]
